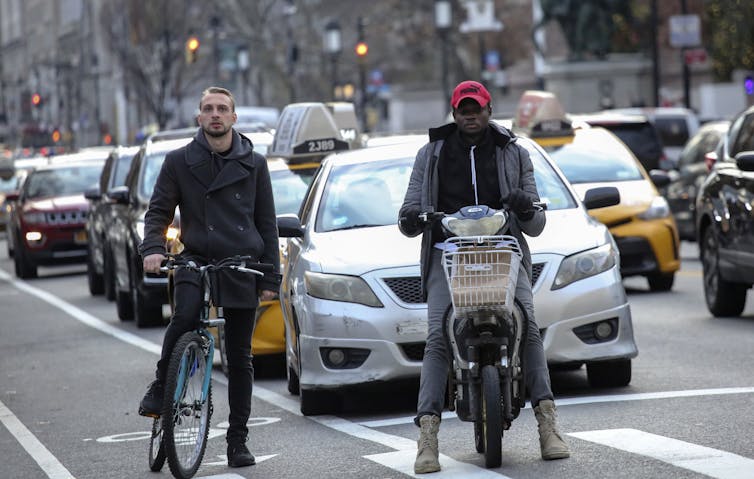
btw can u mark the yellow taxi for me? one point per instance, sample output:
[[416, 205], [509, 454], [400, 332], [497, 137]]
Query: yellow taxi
[[642, 223]]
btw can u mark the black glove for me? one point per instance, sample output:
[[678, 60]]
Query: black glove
[[521, 204], [409, 221]]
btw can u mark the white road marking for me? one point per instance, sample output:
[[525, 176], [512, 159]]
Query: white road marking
[[701, 459], [224, 462], [49, 463]]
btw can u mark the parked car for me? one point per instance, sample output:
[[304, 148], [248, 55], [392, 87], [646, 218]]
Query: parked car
[[351, 291], [675, 125], [641, 224], [48, 222], [725, 222], [636, 131], [689, 174], [9, 185], [99, 265]]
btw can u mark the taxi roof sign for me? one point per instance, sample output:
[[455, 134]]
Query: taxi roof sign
[[540, 114], [306, 130]]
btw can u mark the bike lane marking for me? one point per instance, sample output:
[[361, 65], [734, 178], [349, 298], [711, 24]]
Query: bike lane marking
[[704, 460], [41, 455]]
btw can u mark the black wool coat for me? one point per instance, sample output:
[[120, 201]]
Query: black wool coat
[[232, 213]]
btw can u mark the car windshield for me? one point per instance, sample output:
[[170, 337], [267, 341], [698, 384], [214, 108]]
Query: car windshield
[[289, 188], [150, 170], [66, 181], [121, 170], [370, 194], [8, 185], [596, 159]]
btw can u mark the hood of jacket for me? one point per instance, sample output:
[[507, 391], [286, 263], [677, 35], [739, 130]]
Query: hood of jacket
[[500, 135], [240, 148]]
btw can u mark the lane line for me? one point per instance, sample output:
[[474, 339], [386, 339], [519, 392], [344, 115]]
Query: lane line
[[686, 455], [41, 455]]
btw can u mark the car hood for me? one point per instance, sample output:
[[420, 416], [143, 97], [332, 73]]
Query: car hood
[[361, 250], [59, 203], [586, 233], [635, 198]]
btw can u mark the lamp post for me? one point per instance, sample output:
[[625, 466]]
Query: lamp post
[[443, 22], [242, 57], [333, 46]]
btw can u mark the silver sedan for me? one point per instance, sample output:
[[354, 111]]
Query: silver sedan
[[351, 292]]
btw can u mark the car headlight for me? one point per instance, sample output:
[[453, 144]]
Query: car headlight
[[657, 209], [338, 287], [35, 217], [140, 229], [172, 233], [585, 264]]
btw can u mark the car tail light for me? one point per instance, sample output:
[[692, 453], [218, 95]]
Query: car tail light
[[709, 160]]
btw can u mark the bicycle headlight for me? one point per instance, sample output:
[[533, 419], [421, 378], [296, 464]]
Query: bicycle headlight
[[485, 226], [658, 208], [339, 287], [140, 229], [585, 264]]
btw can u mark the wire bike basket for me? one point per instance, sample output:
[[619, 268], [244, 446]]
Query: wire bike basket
[[482, 272]]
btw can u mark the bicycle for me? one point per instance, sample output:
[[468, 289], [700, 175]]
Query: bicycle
[[187, 401]]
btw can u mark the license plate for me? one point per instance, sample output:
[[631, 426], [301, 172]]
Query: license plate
[[79, 237]]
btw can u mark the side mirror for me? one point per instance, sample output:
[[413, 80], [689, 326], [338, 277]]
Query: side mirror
[[660, 178], [119, 194], [745, 161], [93, 194], [289, 226], [601, 197]]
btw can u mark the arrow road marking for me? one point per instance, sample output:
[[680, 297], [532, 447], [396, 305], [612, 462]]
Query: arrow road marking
[[704, 460], [224, 462]]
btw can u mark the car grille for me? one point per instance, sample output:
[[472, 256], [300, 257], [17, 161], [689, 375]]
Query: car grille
[[66, 217], [413, 351], [409, 291]]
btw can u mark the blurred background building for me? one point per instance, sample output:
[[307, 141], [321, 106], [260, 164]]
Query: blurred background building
[[89, 72]]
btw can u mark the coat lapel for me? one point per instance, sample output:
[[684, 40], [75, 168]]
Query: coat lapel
[[232, 171]]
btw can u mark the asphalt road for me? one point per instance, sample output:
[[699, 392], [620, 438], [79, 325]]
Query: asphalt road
[[71, 376]]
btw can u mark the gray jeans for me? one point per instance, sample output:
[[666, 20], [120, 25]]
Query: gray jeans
[[437, 356]]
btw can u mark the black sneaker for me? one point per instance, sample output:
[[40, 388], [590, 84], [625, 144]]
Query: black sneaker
[[239, 456], [151, 404]]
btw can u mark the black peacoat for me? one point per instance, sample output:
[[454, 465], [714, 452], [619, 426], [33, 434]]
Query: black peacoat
[[230, 213]]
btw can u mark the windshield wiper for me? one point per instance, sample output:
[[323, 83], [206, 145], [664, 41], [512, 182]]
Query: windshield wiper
[[351, 227]]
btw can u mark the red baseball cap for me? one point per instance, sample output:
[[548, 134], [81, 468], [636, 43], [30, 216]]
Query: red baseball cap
[[470, 89]]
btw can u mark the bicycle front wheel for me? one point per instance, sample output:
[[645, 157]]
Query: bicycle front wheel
[[188, 407]]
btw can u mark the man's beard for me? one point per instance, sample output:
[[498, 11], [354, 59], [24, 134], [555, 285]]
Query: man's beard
[[216, 133]]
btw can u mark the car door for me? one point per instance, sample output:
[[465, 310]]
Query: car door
[[740, 200]]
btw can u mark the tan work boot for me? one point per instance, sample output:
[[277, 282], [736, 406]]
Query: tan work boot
[[427, 456], [552, 445]]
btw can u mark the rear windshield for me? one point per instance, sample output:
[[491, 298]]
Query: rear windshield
[[596, 159], [673, 131], [642, 139]]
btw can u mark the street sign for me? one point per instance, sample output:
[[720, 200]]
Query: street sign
[[480, 17], [694, 56], [685, 31]]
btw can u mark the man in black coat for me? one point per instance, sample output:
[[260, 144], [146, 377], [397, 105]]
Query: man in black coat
[[225, 197]]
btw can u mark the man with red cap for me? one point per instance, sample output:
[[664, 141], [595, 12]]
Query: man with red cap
[[473, 162]]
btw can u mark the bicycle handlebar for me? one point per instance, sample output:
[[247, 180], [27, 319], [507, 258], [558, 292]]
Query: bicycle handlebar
[[238, 263], [428, 217]]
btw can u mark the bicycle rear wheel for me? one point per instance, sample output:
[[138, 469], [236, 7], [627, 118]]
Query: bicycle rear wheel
[[156, 447], [187, 411]]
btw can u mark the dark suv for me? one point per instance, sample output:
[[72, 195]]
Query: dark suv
[[99, 265], [138, 296], [49, 219], [725, 222]]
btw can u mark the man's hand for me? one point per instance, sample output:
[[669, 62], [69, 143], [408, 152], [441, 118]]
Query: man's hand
[[410, 219], [152, 262], [267, 295], [521, 204]]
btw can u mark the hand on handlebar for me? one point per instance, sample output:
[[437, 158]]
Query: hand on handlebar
[[410, 219], [520, 203], [152, 262]]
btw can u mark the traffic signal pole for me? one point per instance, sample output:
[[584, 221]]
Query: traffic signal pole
[[361, 52]]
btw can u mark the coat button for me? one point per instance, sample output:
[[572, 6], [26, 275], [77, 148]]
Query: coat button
[[240, 228], [208, 196], [211, 228], [238, 196]]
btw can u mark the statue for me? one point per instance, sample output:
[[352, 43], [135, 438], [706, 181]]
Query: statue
[[587, 25]]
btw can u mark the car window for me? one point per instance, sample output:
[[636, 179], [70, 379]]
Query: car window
[[8, 185], [289, 187], [550, 187], [150, 171], [745, 139], [365, 194], [121, 167], [61, 181], [595, 161], [642, 139], [673, 131]]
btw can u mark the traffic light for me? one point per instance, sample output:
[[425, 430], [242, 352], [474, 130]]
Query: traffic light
[[192, 47], [55, 135], [749, 85], [362, 49], [36, 99]]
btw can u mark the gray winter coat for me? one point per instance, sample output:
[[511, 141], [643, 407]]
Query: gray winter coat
[[514, 169], [232, 214]]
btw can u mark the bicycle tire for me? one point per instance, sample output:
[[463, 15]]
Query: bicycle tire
[[186, 418], [492, 417], [156, 447]]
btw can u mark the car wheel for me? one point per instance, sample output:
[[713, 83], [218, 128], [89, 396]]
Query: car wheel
[[609, 374], [9, 243], [661, 281], [123, 300], [108, 274], [315, 402], [723, 297], [147, 311], [25, 268], [93, 279]]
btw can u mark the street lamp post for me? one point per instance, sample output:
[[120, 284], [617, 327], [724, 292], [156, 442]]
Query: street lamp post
[[243, 68], [333, 47], [443, 22]]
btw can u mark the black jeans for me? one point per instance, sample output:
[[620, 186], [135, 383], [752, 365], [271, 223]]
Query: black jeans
[[239, 327]]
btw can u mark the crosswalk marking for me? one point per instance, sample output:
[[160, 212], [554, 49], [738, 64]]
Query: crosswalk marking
[[701, 459], [403, 461]]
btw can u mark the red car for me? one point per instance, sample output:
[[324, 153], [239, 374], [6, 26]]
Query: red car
[[48, 223]]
